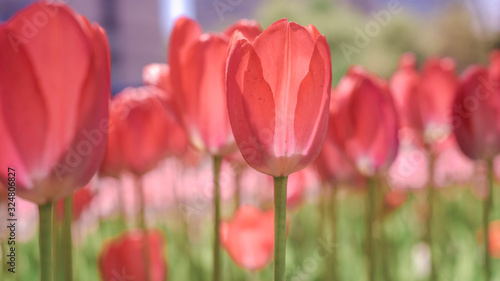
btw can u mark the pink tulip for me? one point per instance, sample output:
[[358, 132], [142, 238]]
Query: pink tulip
[[476, 113], [332, 164], [123, 257], [278, 91], [423, 99], [142, 132], [248, 237], [197, 62], [54, 98], [365, 121]]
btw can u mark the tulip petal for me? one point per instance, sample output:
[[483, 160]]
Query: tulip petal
[[476, 115], [93, 108], [285, 50], [185, 33], [251, 107], [23, 135], [250, 29], [56, 44], [313, 101], [158, 74], [205, 100]]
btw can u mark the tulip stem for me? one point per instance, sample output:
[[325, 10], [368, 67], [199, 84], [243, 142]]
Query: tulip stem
[[333, 221], [217, 161], [45, 242], [487, 204], [431, 197], [122, 220], [142, 225], [67, 240], [279, 227], [370, 220], [5, 269], [56, 250]]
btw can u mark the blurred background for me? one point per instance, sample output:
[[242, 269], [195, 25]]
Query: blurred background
[[373, 33], [369, 32]]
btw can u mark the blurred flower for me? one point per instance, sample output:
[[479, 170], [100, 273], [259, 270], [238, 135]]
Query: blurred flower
[[142, 132], [493, 238], [278, 95], [54, 97], [331, 163], [249, 237], [81, 201], [123, 257], [424, 99], [198, 63], [476, 119], [365, 121], [394, 199]]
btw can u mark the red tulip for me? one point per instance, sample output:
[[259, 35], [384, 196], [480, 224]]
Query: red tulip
[[81, 201], [278, 90], [494, 239], [393, 199], [142, 132], [54, 98], [424, 99], [332, 164], [249, 238], [476, 113], [197, 61], [122, 257], [365, 121]]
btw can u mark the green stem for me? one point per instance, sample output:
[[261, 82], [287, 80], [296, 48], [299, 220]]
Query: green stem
[[429, 237], [237, 195], [487, 204], [45, 242], [280, 227], [370, 219], [322, 209], [143, 227], [217, 161], [56, 250], [67, 253], [333, 221], [253, 276], [4, 257], [122, 220]]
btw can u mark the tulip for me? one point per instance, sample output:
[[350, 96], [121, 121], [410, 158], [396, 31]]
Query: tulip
[[122, 257], [476, 112], [198, 63], [476, 124], [366, 126], [278, 92], [53, 121], [423, 99], [366, 123], [494, 239], [197, 73], [142, 132], [252, 254], [332, 163]]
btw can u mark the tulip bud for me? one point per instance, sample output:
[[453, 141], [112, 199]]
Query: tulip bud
[[278, 92], [123, 257]]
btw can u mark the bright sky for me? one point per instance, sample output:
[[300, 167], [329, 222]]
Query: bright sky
[[170, 9]]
